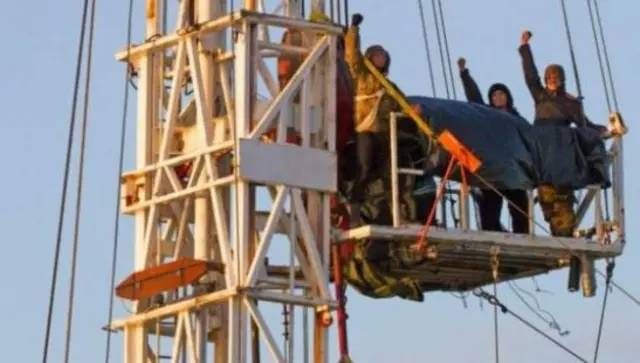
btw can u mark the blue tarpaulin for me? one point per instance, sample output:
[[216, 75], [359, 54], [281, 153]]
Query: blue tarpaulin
[[514, 153]]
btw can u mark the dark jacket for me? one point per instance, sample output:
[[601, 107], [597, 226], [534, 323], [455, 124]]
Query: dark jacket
[[552, 108], [473, 94]]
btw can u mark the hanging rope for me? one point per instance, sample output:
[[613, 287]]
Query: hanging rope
[[346, 13], [538, 311], [446, 47], [440, 48], [610, 266], [495, 270], [600, 62], [573, 62], [76, 226], [609, 98], [65, 182], [423, 22], [621, 289], [491, 299], [451, 81], [606, 91], [443, 63], [610, 263], [605, 52], [496, 335], [331, 12], [116, 227], [537, 287], [571, 49]]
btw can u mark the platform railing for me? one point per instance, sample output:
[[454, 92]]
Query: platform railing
[[591, 199], [395, 170]]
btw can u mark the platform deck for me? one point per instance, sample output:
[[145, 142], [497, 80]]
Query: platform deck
[[463, 259]]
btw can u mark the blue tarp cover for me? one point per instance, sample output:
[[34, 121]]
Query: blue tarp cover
[[514, 153]]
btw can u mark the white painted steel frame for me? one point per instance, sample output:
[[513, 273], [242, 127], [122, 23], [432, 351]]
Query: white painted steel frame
[[214, 199]]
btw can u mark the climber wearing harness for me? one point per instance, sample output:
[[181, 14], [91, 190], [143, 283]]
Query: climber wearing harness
[[490, 203], [554, 107], [372, 111]]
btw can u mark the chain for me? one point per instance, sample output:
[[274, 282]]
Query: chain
[[491, 299], [495, 262], [611, 264], [285, 322]]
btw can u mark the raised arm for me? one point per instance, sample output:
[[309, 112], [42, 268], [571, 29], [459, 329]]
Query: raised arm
[[470, 86], [352, 54], [531, 76]]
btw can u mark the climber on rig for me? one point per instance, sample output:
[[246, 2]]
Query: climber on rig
[[372, 112], [490, 203], [554, 107]]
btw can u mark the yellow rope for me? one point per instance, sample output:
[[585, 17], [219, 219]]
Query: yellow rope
[[406, 107]]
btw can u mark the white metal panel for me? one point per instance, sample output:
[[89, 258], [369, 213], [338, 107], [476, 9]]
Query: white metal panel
[[288, 165]]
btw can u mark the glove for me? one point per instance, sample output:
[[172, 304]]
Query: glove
[[525, 37], [356, 19]]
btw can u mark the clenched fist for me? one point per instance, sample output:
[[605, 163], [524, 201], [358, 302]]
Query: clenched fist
[[526, 36], [356, 19]]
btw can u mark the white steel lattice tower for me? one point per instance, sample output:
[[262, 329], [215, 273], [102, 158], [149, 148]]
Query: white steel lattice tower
[[201, 243], [199, 161]]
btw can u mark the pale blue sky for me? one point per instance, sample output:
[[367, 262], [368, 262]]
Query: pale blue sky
[[39, 59]]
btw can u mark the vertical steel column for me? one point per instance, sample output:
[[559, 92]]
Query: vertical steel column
[[136, 338], [244, 92], [204, 11]]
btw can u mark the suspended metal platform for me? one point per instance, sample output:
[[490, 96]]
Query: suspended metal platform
[[459, 261], [462, 260]]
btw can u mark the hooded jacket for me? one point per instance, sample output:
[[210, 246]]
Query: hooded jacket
[[552, 108], [372, 106], [472, 91]]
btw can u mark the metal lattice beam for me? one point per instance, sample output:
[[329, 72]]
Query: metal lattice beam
[[198, 166]]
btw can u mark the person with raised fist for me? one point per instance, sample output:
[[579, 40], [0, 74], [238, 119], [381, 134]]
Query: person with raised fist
[[490, 203], [373, 106], [553, 104]]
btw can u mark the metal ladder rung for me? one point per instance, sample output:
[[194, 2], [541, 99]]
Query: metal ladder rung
[[408, 171]]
